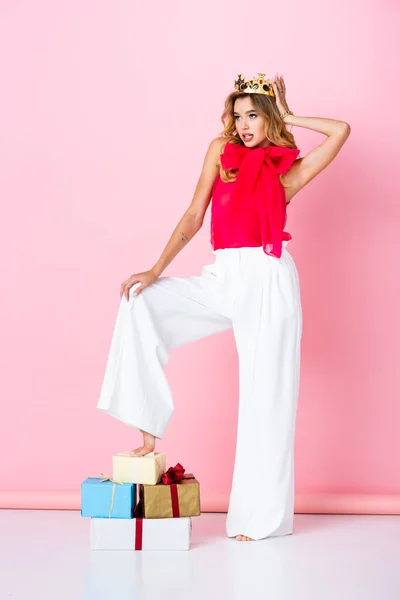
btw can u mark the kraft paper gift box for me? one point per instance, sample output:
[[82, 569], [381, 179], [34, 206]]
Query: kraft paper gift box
[[140, 534], [165, 501], [139, 469], [101, 497]]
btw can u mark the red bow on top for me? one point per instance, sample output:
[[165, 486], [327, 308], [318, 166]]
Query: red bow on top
[[258, 180], [173, 474]]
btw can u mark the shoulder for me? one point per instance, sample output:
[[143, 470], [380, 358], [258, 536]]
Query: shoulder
[[216, 147], [219, 143]]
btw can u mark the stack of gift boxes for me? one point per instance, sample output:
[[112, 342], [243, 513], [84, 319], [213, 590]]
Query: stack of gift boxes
[[142, 506]]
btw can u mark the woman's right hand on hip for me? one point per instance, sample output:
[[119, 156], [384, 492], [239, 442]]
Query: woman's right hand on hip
[[146, 278]]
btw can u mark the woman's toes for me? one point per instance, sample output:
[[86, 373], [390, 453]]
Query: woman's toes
[[244, 538], [135, 450], [139, 451]]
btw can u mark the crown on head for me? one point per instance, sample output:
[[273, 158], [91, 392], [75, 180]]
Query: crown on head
[[259, 85]]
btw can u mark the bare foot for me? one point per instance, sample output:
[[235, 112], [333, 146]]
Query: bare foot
[[149, 443], [243, 538]]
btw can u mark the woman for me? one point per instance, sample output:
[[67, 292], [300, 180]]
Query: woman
[[251, 174]]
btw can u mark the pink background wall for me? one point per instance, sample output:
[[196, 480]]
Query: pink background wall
[[106, 112]]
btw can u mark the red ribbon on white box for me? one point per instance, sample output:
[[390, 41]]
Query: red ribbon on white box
[[139, 534]]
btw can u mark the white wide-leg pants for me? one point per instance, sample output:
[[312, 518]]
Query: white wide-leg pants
[[258, 296]]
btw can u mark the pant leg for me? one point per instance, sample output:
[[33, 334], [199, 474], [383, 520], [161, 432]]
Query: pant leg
[[171, 312], [267, 324]]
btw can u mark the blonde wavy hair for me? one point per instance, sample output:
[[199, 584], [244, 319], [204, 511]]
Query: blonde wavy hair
[[275, 128]]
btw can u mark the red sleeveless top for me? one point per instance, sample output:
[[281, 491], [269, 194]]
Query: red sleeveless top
[[251, 211]]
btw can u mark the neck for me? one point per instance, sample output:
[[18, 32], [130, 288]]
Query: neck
[[263, 144]]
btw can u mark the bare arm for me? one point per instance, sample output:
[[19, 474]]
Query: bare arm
[[187, 227], [305, 169], [321, 124], [192, 219]]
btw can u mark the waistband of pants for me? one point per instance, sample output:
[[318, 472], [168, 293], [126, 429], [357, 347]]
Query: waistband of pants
[[246, 249]]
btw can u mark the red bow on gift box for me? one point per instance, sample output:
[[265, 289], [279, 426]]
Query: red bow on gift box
[[173, 474]]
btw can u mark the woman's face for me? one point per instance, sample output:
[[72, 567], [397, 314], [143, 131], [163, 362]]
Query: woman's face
[[249, 121]]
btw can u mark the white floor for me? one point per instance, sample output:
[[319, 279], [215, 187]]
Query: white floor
[[45, 555]]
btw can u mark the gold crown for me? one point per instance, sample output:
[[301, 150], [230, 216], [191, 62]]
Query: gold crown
[[259, 85]]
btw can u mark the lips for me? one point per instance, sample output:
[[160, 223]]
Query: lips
[[248, 138]]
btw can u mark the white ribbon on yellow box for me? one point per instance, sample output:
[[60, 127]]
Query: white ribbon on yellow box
[[139, 469]]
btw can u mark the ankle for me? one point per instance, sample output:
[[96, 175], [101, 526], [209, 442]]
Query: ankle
[[149, 441]]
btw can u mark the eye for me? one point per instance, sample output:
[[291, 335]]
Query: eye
[[250, 115]]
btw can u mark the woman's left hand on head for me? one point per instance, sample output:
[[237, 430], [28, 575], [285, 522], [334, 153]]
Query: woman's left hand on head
[[278, 85]]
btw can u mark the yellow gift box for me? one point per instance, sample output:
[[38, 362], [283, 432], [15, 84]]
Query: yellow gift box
[[180, 499], [138, 469]]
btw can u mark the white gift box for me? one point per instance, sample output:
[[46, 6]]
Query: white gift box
[[140, 534], [146, 469]]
